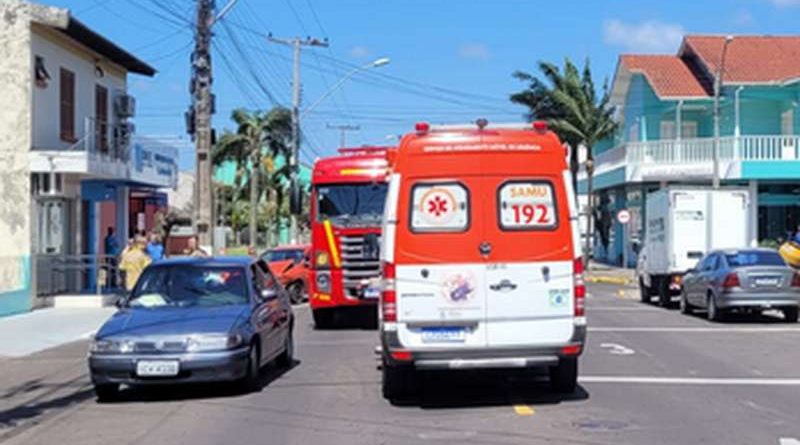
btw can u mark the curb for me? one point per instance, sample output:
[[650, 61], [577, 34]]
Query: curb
[[608, 280]]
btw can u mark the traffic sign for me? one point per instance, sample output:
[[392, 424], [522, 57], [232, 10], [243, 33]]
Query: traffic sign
[[624, 216]]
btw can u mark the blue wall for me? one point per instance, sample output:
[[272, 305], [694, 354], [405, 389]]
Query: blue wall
[[19, 300]]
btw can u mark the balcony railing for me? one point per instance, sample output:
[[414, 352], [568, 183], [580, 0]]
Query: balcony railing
[[101, 141], [693, 151]]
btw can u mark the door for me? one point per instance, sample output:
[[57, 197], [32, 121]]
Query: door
[[704, 279], [529, 261], [440, 283], [266, 316]]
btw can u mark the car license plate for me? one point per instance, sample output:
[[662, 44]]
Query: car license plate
[[767, 282], [372, 293], [444, 335], [157, 368]]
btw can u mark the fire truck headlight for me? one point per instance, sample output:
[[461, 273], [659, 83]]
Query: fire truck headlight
[[323, 282], [321, 260]]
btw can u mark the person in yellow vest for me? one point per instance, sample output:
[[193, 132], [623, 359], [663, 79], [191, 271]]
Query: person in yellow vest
[[133, 261]]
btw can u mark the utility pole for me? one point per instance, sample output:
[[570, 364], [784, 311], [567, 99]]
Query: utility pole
[[297, 45], [200, 114], [343, 129], [717, 91]]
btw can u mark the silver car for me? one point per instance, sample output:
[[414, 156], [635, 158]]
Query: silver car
[[748, 280]]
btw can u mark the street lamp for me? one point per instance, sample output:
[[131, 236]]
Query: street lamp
[[717, 92], [374, 64], [295, 198]]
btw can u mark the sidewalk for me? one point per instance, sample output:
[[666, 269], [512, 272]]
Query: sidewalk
[[604, 273], [42, 329]]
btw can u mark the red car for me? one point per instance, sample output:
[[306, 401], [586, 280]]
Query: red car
[[290, 266]]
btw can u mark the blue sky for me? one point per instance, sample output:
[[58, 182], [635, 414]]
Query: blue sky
[[451, 61]]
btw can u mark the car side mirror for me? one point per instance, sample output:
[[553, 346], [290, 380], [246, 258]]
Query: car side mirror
[[121, 302], [268, 295]]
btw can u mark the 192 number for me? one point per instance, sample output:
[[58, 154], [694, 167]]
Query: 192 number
[[529, 213]]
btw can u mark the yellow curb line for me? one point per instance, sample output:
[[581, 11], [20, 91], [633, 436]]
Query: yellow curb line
[[608, 280]]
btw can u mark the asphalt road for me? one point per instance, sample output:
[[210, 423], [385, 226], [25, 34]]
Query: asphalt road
[[649, 376]]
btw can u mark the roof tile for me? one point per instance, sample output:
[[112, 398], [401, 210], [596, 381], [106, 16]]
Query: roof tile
[[749, 59], [669, 76]]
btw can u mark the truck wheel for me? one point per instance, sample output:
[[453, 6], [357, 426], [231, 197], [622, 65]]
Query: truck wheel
[[790, 314], [564, 377], [399, 383], [664, 297], [714, 312], [323, 318], [644, 292]]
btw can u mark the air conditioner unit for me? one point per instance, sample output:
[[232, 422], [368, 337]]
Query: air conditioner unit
[[124, 133], [125, 105]]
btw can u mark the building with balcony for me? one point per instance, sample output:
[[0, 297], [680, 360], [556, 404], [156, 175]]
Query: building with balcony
[[70, 168], [665, 107]]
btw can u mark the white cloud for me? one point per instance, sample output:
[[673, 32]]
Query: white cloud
[[474, 51], [785, 3], [647, 36], [359, 51]]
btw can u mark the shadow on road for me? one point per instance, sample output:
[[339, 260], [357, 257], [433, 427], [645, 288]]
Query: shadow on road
[[364, 318], [480, 389], [43, 404], [162, 393]]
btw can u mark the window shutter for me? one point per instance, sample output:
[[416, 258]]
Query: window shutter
[[67, 105]]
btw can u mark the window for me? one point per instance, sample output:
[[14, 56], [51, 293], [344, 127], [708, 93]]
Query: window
[[351, 204], [188, 285], [67, 105], [439, 207], [527, 205], [755, 258], [101, 118]]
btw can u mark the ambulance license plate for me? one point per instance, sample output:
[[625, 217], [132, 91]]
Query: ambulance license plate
[[372, 293], [445, 334]]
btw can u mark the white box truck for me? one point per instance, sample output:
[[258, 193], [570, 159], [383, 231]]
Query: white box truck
[[681, 225]]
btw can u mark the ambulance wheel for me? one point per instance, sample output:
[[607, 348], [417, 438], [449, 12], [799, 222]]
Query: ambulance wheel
[[399, 383], [323, 318], [564, 376], [644, 292], [664, 295]]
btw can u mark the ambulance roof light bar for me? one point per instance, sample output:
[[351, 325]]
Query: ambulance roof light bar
[[367, 149], [481, 124]]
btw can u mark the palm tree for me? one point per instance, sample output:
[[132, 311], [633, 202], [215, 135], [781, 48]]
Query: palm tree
[[568, 100], [259, 137]]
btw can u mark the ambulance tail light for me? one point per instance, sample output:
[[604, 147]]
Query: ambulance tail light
[[580, 287], [540, 126], [389, 294], [422, 128]]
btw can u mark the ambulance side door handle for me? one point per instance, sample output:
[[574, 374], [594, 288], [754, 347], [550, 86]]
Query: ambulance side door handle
[[485, 248]]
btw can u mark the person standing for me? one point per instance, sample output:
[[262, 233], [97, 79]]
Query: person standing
[[111, 246], [154, 249], [133, 262], [192, 248]]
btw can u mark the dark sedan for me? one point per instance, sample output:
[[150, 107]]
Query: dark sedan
[[194, 320], [746, 280]]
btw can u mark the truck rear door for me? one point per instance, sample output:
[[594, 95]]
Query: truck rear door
[[688, 233], [440, 280], [529, 264]]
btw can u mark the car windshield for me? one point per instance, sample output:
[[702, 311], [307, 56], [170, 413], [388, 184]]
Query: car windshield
[[187, 285], [351, 204], [283, 255], [755, 258]]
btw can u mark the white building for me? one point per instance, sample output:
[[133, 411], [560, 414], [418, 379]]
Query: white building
[[69, 168]]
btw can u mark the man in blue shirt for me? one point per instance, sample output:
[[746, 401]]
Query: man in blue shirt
[[154, 248], [111, 243]]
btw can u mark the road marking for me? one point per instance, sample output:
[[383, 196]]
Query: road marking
[[692, 381], [690, 329], [617, 349], [523, 410]]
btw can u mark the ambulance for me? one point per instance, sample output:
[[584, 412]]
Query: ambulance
[[480, 256]]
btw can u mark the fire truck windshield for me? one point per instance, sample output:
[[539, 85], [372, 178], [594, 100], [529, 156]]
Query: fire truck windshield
[[351, 204]]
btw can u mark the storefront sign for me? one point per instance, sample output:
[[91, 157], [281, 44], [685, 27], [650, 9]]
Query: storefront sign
[[154, 163]]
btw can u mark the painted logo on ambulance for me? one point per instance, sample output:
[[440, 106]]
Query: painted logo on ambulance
[[459, 288], [438, 206]]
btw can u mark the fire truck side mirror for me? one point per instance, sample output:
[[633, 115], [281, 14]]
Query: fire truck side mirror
[[296, 200]]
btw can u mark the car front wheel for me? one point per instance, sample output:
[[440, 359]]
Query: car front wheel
[[685, 306], [286, 359], [107, 392], [251, 379], [297, 292]]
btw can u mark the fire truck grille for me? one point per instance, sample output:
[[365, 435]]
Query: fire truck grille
[[360, 262]]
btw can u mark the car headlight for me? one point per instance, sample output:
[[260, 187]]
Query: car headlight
[[110, 346], [213, 342]]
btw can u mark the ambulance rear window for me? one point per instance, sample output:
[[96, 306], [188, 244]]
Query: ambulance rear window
[[527, 205], [439, 207]]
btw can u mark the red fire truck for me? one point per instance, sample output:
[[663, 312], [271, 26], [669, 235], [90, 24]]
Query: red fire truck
[[347, 200]]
